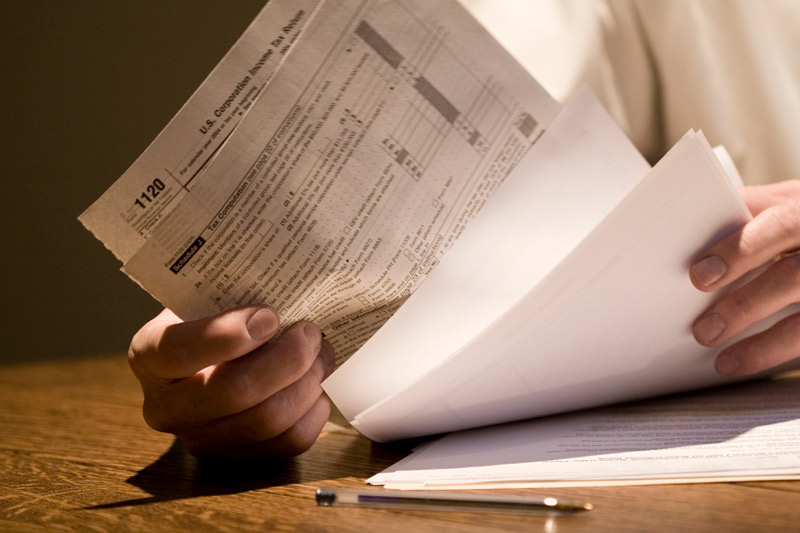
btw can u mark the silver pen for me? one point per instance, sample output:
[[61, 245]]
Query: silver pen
[[448, 501]]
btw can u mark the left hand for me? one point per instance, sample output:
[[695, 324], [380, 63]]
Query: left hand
[[773, 236], [228, 387]]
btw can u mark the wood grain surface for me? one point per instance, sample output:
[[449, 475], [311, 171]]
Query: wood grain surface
[[75, 455]]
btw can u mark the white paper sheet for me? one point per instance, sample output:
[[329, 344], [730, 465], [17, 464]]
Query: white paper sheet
[[578, 171], [611, 323], [738, 432]]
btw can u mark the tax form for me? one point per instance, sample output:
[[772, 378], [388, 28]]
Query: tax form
[[378, 132], [130, 210]]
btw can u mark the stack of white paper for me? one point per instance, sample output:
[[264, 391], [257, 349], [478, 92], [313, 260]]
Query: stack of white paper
[[740, 432], [546, 308]]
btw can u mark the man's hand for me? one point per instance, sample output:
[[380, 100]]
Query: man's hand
[[772, 237], [228, 388]]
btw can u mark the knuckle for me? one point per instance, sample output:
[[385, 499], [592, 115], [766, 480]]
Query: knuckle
[[137, 346], [748, 246], [153, 347], [777, 225], [787, 219], [247, 392], [135, 361], [737, 307], [138, 353]]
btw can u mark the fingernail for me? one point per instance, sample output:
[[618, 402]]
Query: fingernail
[[708, 328], [727, 364], [709, 270], [262, 325]]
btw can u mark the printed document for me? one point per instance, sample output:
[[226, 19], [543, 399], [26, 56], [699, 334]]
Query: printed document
[[733, 433], [376, 141], [130, 210]]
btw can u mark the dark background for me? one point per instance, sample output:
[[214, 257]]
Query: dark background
[[85, 86]]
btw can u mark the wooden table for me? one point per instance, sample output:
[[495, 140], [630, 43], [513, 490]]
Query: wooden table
[[75, 455]]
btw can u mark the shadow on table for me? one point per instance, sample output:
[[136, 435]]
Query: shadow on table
[[178, 475]]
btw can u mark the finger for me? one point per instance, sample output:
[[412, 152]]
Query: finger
[[774, 289], [760, 197], [238, 385], [765, 350], [265, 421], [297, 439], [774, 231], [294, 441], [167, 348]]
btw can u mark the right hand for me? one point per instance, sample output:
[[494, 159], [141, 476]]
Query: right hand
[[770, 239], [227, 387]]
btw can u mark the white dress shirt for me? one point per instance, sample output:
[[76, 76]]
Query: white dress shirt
[[728, 67]]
